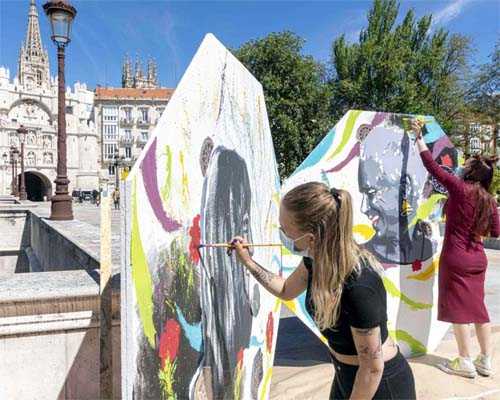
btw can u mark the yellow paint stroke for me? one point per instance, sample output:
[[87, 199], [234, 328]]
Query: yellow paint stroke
[[277, 306], [351, 119], [166, 189], [366, 231], [405, 207], [291, 305], [416, 347], [391, 288], [265, 383], [141, 277], [427, 273], [276, 197], [426, 208], [185, 182]]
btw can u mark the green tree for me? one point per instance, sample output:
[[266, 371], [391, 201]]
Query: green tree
[[483, 97], [407, 68], [297, 95]]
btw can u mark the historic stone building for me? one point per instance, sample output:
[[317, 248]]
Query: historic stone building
[[126, 116], [30, 99]]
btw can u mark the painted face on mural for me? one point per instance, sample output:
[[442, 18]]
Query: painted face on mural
[[391, 178]]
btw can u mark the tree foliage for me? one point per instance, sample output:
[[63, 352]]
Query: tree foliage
[[407, 68], [297, 97], [483, 98]]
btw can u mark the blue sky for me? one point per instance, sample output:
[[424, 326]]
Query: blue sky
[[104, 30]]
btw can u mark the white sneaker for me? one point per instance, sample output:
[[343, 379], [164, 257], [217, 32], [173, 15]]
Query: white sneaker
[[459, 366], [483, 365]]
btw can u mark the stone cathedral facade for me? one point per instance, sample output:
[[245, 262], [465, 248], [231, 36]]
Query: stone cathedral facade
[[30, 99]]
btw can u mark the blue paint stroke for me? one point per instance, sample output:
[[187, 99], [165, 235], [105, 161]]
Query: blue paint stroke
[[434, 131], [254, 342], [318, 152], [193, 332], [302, 303]]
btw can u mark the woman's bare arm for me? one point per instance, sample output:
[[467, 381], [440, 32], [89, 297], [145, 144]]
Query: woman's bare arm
[[285, 289]]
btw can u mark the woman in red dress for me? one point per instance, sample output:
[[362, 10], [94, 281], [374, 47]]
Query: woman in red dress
[[471, 214]]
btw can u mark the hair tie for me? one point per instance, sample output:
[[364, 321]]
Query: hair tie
[[336, 195]]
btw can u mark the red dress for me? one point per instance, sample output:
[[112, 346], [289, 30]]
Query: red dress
[[463, 262]]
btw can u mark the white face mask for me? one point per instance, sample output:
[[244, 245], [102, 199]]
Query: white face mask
[[290, 244]]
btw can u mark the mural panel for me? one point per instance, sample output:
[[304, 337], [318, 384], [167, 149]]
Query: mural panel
[[397, 210], [195, 324]]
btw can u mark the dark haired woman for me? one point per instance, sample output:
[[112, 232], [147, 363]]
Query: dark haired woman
[[345, 293], [471, 213]]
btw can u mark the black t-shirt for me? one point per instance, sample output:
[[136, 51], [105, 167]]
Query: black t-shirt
[[363, 305]]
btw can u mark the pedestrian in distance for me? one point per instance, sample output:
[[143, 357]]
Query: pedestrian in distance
[[116, 198]]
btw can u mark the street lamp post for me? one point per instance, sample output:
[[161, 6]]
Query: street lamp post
[[13, 177], [22, 131], [61, 15], [13, 163]]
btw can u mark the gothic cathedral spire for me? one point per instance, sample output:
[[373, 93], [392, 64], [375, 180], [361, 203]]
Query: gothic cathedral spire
[[33, 67], [127, 78]]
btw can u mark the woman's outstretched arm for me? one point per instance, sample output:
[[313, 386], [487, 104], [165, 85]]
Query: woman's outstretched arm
[[285, 289], [447, 179]]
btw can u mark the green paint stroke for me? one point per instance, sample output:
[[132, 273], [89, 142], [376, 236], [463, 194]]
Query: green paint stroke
[[416, 347], [165, 190], [141, 277], [426, 208], [394, 292], [351, 119]]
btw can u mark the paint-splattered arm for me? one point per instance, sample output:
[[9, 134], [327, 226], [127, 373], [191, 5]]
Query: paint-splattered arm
[[285, 289]]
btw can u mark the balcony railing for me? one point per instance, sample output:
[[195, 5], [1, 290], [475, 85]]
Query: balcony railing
[[126, 139], [142, 122], [141, 140], [126, 121]]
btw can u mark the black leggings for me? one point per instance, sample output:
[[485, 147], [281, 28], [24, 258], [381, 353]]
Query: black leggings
[[397, 381]]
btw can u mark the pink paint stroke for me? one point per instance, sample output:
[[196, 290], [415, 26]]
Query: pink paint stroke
[[148, 167], [353, 153]]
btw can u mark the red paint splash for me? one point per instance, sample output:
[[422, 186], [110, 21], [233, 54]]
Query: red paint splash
[[195, 234], [269, 332], [239, 358], [416, 265], [169, 341], [446, 160]]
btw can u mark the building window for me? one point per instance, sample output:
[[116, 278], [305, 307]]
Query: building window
[[111, 170], [110, 132], [475, 144], [127, 134], [109, 150], [69, 109], [39, 77], [128, 152], [144, 114], [144, 136], [127, 113], [110, 113]]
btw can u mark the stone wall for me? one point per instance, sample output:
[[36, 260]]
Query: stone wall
[[62, 246], [49, 336], [50, 320]]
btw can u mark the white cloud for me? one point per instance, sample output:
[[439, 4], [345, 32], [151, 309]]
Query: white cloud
[[449, 13]]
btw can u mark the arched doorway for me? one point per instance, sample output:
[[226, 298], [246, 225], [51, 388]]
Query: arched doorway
[[37, 186]]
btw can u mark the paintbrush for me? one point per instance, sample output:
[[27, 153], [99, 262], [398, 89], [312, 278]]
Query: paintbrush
[[227, 245]]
